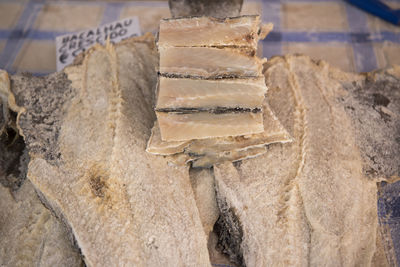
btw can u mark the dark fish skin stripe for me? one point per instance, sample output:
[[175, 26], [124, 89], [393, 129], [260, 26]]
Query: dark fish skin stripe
[[215, 77], [216, 110]]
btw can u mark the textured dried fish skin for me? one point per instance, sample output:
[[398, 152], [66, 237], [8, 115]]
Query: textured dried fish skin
[[207, 31], [189, 93], [321, 210], [30, 234], [182, 127], [208, 62], [4, 91], [125, 206], [184, 8]]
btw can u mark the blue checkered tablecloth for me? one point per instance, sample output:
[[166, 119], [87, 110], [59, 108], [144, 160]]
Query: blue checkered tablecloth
[[331, 30]]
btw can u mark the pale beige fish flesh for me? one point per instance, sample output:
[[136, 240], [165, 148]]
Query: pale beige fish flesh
[[274, 132], [209, 62], [158, 147], [181, 127], [208, 31], [181, 93]]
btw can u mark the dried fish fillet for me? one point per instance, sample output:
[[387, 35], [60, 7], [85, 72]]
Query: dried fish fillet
[[274, 132], [30, 234], [184, 8], [201, 48], [202, 181], [203, 153], [208, 62], [310, 204], [156, 146], [206, 94], [198, 125], [209, 151], [126, 207], [208, 31]]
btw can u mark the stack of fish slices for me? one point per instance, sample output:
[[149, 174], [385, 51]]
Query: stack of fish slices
[[210, 100]]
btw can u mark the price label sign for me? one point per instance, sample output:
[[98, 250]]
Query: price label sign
[[70, 45]]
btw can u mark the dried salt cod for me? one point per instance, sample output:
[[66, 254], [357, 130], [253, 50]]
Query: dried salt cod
[[13, 155], [199, 125], [202, 181], [30, 234], [189, 94], [240, 31], [87, 141], [308, 202], [209, 62], [206, 152], [201, 48], [373, 103], [157, 146], [184, 8], [4, 88], [273, 132]]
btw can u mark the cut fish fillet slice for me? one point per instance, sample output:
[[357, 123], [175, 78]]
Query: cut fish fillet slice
[[158, 147], [274, 132], [208, 62], [189, 93], [182, 127], [207, 31]]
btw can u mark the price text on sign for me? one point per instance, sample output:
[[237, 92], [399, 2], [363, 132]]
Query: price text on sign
[[70, 45]]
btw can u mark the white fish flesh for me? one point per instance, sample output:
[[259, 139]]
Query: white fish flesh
[[205, 94], [209, 62], [208, 31], [198, 125]]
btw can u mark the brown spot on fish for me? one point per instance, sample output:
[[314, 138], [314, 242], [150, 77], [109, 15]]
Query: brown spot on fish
[[98, 186]]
